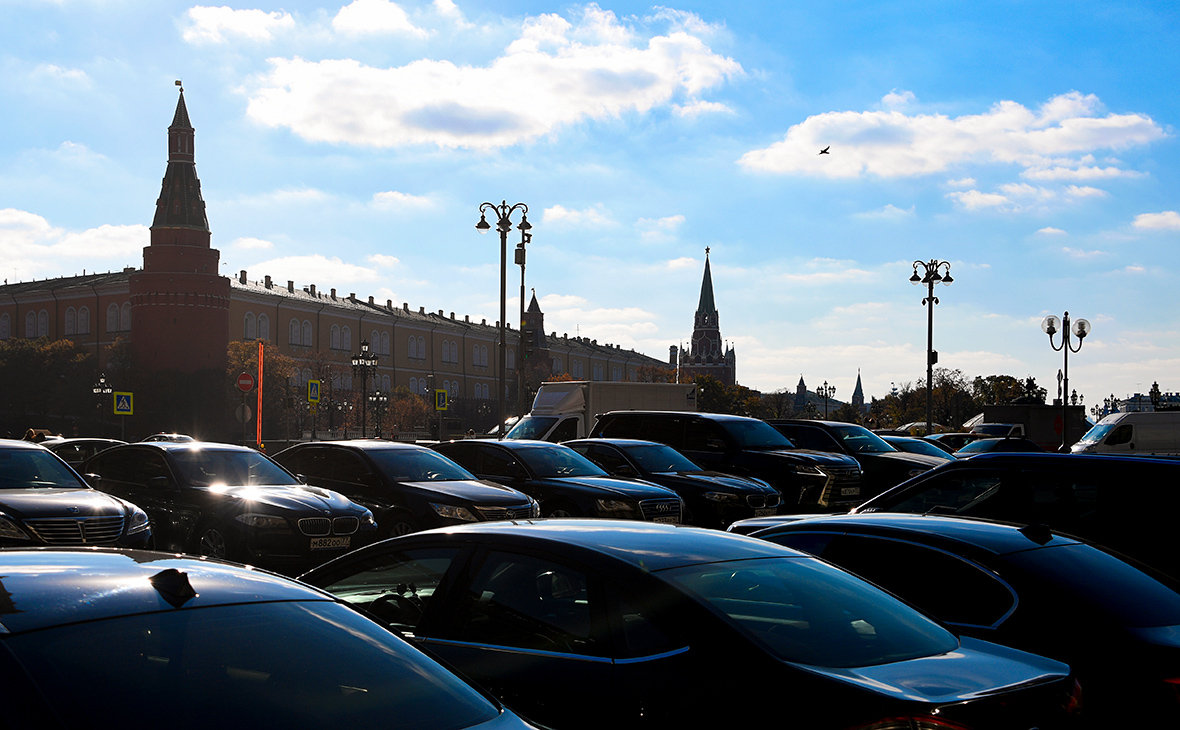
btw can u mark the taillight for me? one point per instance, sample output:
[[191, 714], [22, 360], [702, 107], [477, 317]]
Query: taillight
[[923, 722], [1074, 704], [1174, 685]]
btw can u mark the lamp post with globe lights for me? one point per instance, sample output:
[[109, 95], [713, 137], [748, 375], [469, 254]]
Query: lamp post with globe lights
[[364, 364], [1052, 325], [826, 392], [933, 272]]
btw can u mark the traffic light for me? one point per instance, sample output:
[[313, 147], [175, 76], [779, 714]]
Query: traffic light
[[530, 341]]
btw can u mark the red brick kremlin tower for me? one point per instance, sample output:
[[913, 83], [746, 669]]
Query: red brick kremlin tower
[[179, 301]]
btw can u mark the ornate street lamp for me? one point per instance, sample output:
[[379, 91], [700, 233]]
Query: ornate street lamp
[[1051, 325], [826, 391], [102, 389], [378, 400], [1155, 396], [932, 273], [503, 214], [364, 364], [525, 238]]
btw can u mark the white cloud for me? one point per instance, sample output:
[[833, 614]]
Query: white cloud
[[697, 108], [58, 73], [1050, 231], [894, 99], [1078, 173], [684, 262], [30, 246], [1085, 191], [217, 25], [659, 229], [595, 216], [375, 16], [892, 144], [554, 74], [1169, 220], [384, 260], [1080, 254], [448, 9], [820, 272], [394, 199], [252, 244], [889, 212], [963, 182], [1136, 269], [975, 200], [318, 267]]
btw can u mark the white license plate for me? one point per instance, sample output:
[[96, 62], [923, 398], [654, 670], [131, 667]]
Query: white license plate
[[670, 519], [330, 543], [766, 512], [850, 492]]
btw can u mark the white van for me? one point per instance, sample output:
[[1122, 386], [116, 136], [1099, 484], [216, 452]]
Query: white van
[[1149, 432]]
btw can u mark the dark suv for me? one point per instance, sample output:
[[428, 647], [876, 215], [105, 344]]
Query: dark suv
[[881, 465], [745, 447]]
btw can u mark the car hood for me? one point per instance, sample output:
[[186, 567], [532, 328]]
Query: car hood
[[901, 459], [480, 492], [820, 458], [631, 488], [715, 480], [32, 503], [294, 498]]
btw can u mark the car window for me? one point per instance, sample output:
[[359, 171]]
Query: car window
[[568, 429], [532, 427], [860, 440], [955, 492], [30, 468], [209, 467], [496, 462], [756, 435], [703, 435], [661, 459], [808, 437], [527, 602], [558, 461], [1120, 436], [417, 465], [665, 430], [396, 587], [607, 457]]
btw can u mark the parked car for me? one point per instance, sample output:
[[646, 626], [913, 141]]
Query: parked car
[[713, 499], [44, 502], [745, 447], [1115, 624], [194, 644], [881, 465], [1000, 445], [911, 445], [407, 487], [953, 440], [565, 483], [231, 502], [1133, 432], [1127, 503], [76, 450], [176, 438], [593, 624], [1000, 430]]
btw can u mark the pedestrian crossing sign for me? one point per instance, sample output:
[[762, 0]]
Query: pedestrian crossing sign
[[124, 404], [440, 400], [313, 391]]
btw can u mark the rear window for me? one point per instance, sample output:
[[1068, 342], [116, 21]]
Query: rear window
[[803, 610]]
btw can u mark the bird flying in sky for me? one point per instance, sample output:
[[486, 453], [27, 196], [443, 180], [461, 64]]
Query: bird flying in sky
[[824, 151]]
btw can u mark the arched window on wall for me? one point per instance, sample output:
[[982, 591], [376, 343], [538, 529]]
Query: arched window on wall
[[334, 338], [125, 317], [5, 326], [71, 321], [31, 325], [293, 333], [249, 326], [113, 318], [412, 351], [305, 334], [455, 352], [421, 348], [510, 358], [84, 320], [346, 381], [385, 384], [263, 327], [483, 355], [375, 342], [487, 393], [413, 385], [346, 339], [475, 355], [42, 323], [384, 343]]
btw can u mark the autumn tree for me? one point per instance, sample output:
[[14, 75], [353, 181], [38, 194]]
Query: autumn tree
[[277, 369], [654, 374]]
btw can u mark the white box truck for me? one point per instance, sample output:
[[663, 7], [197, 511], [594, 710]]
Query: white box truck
[[1138, 432], [564, 411]]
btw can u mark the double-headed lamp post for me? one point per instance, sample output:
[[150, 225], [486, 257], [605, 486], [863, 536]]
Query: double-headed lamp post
[[364, 364], [102, 389], [1051, 325], [1155, 395], [826, 391], [525, 238], [934, 271], [503, 213], [378, 399]]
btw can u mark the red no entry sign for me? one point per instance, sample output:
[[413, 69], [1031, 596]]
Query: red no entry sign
[[245, 382]]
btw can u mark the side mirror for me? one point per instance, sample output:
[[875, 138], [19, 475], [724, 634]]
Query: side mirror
[[92, 479], [625, 470], [160, 483]]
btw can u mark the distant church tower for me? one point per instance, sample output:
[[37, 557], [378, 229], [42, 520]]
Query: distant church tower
[[858, 395], [179, 301], [800, 395], [706, 356]]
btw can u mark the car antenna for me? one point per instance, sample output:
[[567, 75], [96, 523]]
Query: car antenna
[[1038, 533], [173, 587]]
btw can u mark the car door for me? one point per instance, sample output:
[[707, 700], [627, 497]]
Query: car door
[[142, 476], [610, 458]]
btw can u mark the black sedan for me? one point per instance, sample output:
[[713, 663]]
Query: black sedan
[[100, 638], [913, 445], [713, 499], [565, 483], [1003, 445], [408, 487], [44, 502], [607, 623], [231, 502], [74, 451], [1115, 623]]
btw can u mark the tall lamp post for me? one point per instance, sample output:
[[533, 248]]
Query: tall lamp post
[[503, 213], [933, 272], [826, 391], [525, 238], [1155, 395], [364, 364], [1051, 325], [102, 392], [378, 399]]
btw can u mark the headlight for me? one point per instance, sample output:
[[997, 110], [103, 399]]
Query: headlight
[[453, 512], [10, 531], [809, 470], [367, 519], [722, 497], [138, 521], [263, 522], [615, 505], [536, 510]]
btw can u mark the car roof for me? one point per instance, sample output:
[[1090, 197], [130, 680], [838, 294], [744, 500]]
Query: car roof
[[684, 414], [19, 444], [362, 444], [648, 546], [54, 586], [614, 442], [991, 536], [513, 444], [190, 446], [1049, 459]]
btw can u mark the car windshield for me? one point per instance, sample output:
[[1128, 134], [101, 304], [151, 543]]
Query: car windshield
[[756, 435], [34, 468], [558, 461], [979, 447], [660, 459], [247, 666], [204, 467], [807, 611], [918, 446], [532, 427], [1095, 434], [417, 465], [860, 440]]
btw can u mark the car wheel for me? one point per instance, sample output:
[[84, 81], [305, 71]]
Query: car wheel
[[213, 543], [399, 523], [562, 509]]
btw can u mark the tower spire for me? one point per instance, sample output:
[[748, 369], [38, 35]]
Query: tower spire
[[706, 305]]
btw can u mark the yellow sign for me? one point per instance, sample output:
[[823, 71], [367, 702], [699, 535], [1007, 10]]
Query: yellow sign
[[440, 400], [313, 391]]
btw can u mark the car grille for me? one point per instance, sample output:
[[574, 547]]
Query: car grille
[[320, 526], [516, 512], [76, 530], [660, 509], [843, 473], [760, 501]]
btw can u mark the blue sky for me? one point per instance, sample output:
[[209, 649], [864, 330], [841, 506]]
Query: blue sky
[[349, 145]]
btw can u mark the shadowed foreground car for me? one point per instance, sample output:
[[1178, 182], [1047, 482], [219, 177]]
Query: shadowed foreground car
[[44, 502], [1116, 624], [610, 623], [231, 502], [196, 644]]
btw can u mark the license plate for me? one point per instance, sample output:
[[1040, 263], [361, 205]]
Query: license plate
[[330, 543], [766, 512], [670, 519], [850, 492]]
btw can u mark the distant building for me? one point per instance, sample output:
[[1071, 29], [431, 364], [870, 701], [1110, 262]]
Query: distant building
[[707, 354], [858, 394]]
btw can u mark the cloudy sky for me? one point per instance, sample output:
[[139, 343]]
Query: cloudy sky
[[350, 145]]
